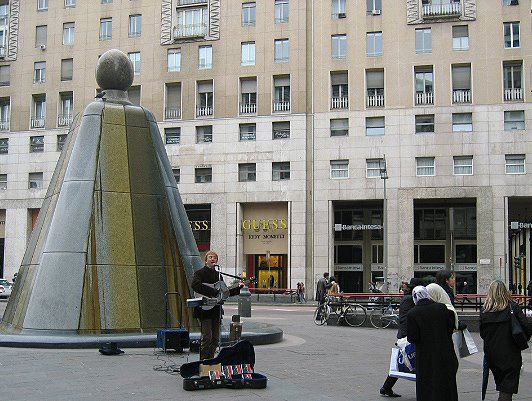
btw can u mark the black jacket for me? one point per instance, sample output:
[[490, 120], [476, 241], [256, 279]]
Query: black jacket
[[406, 304], [502, 355]]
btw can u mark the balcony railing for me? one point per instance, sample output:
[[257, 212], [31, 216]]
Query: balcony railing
[[172, 113], [4, 125], [462, 96], [375, 101], [204, 111], [64, 120], [339, 102], [513, 94], [424, 98], [190, 31], [281, 105], [190, 2], [37, 122], [442, 10], [248, 108]]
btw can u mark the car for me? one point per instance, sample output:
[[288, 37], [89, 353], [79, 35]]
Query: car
[[5, 288]]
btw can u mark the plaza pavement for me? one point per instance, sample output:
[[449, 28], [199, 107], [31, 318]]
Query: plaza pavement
[[311, 363]]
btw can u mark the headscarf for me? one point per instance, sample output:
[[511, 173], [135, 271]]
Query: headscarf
[[439, 295], [419, 293]]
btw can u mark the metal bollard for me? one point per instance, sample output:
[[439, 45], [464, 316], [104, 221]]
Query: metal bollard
[[244, 302]]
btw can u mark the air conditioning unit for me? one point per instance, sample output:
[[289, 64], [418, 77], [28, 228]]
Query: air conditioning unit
[[376, 12], [42, 47], [341, 15]]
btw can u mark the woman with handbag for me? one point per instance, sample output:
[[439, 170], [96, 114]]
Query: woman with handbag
[[503, 355]]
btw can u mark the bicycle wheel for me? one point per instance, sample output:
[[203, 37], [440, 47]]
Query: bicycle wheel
[[355, 315], [376, 320], [321, 314]]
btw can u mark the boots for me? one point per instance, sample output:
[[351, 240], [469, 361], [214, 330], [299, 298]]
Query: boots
[[504, 396]]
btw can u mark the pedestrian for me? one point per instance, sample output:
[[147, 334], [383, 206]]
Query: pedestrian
[[503, 357], [406, 304], [430, 327], [529, 292], [446, 280], [298, 299], [302, 293], [335, 288], [438, 294], [321, 288]]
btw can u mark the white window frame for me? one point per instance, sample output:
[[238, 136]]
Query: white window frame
[[282, 11], [373, 168], [249, 14], [339, 126], [135, 25], [338, 8], [135, 60], [203, 135], [339, 169], [375, 126], [35, 180], [42, 5], [280, 171], [70, 3], [247, 172], [515, 162], [427, 123], [37, 144], [339, 46], [69, 33], [205, 172], [281, 50], [205, 57], [246, 134], [514, 120], [373, 7], [512, 40], [374, 44], [172, 136], [174, 60], [106, 28], [425, 167], [423, 40], [460, 43], [39, 72], [462, 122], [248, 53], [462, 165]]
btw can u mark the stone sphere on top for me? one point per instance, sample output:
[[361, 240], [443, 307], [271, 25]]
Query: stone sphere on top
[[114, 71]]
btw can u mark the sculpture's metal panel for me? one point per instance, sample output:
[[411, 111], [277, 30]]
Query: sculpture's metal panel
[[146, 180], [148, 216]]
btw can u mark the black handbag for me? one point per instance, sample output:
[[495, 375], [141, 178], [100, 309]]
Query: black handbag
[[518, 334]]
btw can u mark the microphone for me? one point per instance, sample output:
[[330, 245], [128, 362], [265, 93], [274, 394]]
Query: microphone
[[217, 267]]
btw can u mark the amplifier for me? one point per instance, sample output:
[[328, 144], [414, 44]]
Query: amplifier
[[176, 339]]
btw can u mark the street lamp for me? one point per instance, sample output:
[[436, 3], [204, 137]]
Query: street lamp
[[384, 176]]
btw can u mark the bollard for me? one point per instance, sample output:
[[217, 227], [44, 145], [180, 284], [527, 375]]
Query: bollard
[[244, 302], [235, 329]]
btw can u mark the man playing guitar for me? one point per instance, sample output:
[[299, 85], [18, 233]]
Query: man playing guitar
[[203, 282]]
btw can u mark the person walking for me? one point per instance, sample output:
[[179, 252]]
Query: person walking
[[301, 290], [406, 304], [529, 292], [430, 326], [447, 280], [321, 288], [503, 357]]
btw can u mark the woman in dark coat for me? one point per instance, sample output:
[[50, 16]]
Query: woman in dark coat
[[430, 326], [502, 355], [447, 280]]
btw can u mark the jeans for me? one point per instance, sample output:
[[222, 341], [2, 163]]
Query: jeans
[[210, 337]]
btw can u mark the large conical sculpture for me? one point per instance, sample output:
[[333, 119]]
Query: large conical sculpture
[[112, 237]]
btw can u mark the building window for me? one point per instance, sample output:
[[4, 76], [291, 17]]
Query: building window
[[248, 132], [281, 130], [460, 37], [375, 88], [203, 174], [36, 144], [172, 136], [61, 140], [373, 168], [38, 111], [515, 164], [373, 7], [67, 68], [205, 100], [425, 166], [281, 93], [3, 181], [511, 35], [339, 169], [177, 175], [374, 43], [5, 110], [424, 123], [39, 72], [249, 14], [133, 94], [280, 171], [374, 126], [424, 85], [423, 40], [339, 90], [461, 78], [135, 25], [247, 172], [41, 33], [5, 72], [70, 3], [248, 95], [513, 81], [106, 1], [191, 22], [205, 57], [135, 60], [42, 5], [204, 134], [281, 49], [248, 53], [4, 146], [35, 180], [462, 122], [281, 11], [510, 2], [338, 46], [339, 126], [172, 109], [463, 165], [106, 28], [66, 111], [68, 33], [514, 120], [174, 60], [338, 8]]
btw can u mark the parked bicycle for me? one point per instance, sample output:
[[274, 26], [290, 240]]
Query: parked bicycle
[[382, 317], [352, 314]]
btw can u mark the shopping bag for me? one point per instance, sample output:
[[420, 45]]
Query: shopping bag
[[406, 358], [457, 342], [394, 369], [467, 346]]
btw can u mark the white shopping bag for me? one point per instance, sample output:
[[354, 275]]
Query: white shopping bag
[[394, 371], [468, 346]]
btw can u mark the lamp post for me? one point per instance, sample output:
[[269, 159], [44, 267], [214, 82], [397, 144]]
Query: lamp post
[[384, 176]]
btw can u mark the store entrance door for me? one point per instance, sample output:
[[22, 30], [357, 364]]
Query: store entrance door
[[350, 281]]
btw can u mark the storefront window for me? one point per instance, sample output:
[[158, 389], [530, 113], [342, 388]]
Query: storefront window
[[348, 254], [465, 223], [466, 253], [199, 217], [429, 253]]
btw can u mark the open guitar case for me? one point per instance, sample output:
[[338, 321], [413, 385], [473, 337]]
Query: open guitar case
[[232, 368]]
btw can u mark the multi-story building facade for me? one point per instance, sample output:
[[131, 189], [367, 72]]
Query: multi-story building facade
[[291, 124]]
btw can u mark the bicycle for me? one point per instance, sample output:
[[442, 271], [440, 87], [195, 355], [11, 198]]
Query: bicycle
[[352, 314], [382, 317], [322, 312]]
